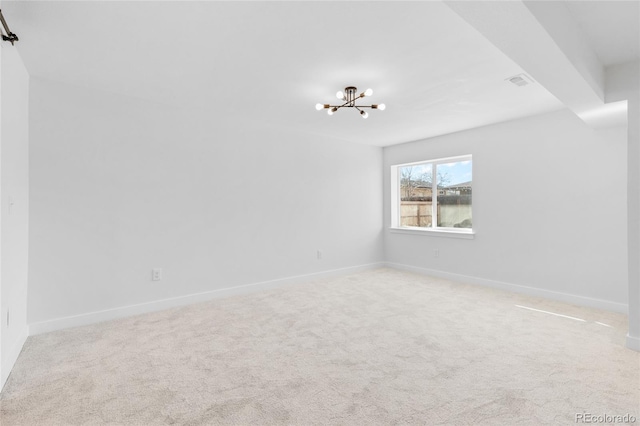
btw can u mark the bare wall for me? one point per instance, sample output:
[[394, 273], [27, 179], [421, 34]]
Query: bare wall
[[14, 213], [120, 186], [549, 209]]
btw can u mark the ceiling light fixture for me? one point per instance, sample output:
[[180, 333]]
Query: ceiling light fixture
[[349, 97]]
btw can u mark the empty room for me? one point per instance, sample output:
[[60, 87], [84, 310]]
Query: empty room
[[319, 212]]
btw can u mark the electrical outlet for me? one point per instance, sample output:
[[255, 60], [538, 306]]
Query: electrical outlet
[[156, 274], [319, 254]]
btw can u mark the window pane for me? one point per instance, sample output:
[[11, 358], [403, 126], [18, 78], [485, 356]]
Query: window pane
[[415, 195], [454, 194]]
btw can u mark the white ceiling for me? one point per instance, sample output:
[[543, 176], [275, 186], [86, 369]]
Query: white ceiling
[[612, 27], [269, 63]]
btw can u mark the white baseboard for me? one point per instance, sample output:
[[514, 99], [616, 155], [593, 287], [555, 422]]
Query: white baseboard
[[158, 305], [633, 343], [529, 291], [12, 357]]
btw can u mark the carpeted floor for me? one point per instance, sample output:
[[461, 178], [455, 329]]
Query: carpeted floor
[[377, 348]]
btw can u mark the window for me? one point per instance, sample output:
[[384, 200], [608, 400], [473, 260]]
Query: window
[[433, 195]]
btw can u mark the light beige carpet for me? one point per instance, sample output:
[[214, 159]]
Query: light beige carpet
[[377, 348]]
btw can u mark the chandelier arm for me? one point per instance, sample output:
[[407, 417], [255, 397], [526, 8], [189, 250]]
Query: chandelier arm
[[340, 106], [350, 106], [350, 103]]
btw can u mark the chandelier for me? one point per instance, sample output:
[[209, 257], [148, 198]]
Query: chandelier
[[349, 97]]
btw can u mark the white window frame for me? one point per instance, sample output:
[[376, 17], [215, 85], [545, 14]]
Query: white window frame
[[434, 230]]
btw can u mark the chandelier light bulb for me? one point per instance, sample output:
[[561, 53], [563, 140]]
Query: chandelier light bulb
[[368, 92], [330, 111], [319, 106], [364, 114], [382, 107], [340, 95]]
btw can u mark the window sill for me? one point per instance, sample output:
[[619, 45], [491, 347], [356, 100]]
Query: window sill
[[466, 234]]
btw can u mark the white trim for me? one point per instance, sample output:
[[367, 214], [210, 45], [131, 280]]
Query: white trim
[[12, 356], [434, 197], [158, 305], [516, 288], [444, 160], [395, 185], [633, 343], [435, 232]]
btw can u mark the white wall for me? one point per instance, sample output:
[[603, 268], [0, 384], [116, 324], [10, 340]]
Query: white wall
[[623, 83], [549, 210], [14, 218], [120, 186]]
